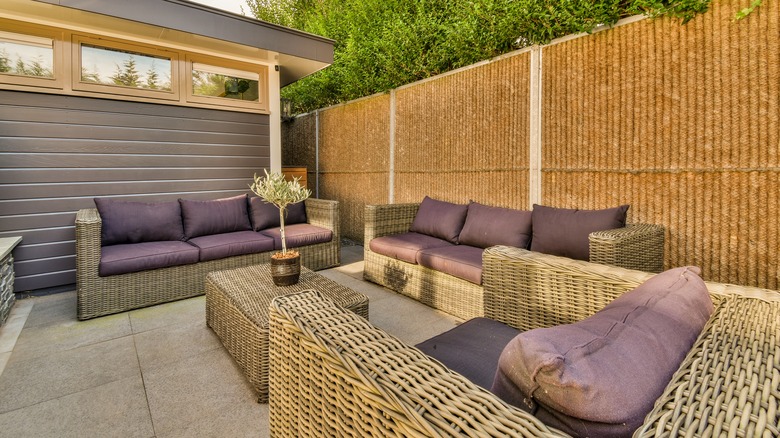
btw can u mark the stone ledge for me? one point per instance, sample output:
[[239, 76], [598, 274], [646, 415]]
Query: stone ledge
[[7, 244]]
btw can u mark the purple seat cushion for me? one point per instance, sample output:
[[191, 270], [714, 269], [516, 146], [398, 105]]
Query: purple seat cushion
[[219, 246], [216, 216], [462, 261], [439, 219], [606, 371], [265, 215], [298, 235], [405, 246], [472, 348], [136, 257], [134, 222], [564, 232], [488, 226]]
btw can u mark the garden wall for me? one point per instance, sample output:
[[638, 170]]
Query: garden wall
[[681, 122]]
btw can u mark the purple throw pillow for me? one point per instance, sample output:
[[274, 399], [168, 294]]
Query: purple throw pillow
[[611, 367], [135, 222], [266, 215], [488, 226], [217, 216], [564, 232], [439, 219]]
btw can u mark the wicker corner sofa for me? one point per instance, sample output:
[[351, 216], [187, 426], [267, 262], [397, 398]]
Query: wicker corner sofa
[[98, 296], [636, 246], [337, 375]]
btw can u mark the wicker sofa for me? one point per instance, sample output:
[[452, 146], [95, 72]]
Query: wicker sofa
[[102, 295], [636, 246], [335, 374]]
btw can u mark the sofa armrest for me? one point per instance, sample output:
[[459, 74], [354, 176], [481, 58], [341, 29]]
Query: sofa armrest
[[527, 289], [635, 246], [386, 219], [324, 213], [88, 228], [335, 372]]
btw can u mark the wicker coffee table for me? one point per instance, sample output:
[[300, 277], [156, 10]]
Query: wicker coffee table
[[237, 303]]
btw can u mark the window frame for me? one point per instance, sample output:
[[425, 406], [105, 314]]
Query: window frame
[[78, 85], [57, 62], [228, 64]]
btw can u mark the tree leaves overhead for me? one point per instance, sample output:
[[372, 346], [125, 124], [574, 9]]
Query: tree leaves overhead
[[383, 44]]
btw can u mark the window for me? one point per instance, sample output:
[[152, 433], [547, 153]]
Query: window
[[120, 68], [28, 58], [221, 82]]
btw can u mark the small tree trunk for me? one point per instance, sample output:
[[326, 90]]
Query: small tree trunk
[[281, 231]]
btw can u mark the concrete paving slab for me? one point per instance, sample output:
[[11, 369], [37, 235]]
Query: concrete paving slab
[[174, 343], [161, 315], [116, 409], [51, 309], [205, 395], [28, 382]]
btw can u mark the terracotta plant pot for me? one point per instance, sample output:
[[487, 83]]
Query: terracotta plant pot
[[285, 271]]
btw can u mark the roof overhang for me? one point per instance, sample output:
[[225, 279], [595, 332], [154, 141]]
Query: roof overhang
[[298, 54]]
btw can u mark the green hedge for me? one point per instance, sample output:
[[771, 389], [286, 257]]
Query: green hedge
[[383, 44]]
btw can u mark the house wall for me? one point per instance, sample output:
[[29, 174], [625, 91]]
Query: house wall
[[59, 152], [682, 122]]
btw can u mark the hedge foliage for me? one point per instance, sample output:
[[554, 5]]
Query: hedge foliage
[[383, 44]]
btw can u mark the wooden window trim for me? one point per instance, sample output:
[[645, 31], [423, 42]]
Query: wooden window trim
[[57, 62], [78, 40], [262, 86]]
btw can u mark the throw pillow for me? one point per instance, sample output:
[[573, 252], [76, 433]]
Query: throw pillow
[[215, 216], [488, 226], [135, 222], [439, 219], [265, 215], [611, 367], [564, 232]]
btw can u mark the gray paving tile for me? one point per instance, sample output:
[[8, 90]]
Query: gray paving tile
[[46, 339], [161, 315], [173, 343], [28, 382], [52, 309], [409, 320], [204, 395], [116, 409]]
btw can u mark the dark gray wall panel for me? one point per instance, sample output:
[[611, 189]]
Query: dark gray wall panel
[[59, 152]]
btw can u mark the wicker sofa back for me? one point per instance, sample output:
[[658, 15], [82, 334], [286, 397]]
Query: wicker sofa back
[[375, 385], [97, 296], [635, 246]]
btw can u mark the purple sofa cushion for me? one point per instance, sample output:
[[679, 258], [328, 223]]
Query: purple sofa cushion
[[564, 232], [297, 235], [265, 215], [439, 219], [461, 261], [219, 246], [488, 226], [216, 216], [472, 348], [136, 257], [405, 246], [135, 222], [610, 368]]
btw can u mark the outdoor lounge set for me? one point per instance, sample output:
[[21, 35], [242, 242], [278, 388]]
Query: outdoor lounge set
[[136, 254]]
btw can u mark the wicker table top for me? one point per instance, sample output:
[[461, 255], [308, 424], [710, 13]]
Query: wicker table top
[[251, 290]]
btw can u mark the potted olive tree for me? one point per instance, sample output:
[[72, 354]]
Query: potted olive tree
[[274, 189]]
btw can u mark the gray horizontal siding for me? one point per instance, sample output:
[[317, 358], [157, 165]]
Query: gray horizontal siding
[[59, 152]]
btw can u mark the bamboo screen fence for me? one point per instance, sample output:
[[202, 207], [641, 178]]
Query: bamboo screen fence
[[680, 122]]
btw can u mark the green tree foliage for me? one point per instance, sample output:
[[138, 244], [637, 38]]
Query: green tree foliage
[[383, 44], [127, 75], [5, 61]]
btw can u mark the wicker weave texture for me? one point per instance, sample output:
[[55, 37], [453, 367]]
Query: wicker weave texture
[[237, 303], [681, 122], [637, 245], [335, 374], [98, 296]]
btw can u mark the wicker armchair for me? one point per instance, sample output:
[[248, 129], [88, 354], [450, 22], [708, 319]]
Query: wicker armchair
[[337, 375], [97, 296], [636, 246]]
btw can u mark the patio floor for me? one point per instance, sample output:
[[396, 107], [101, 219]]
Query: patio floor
[[153, 372]]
